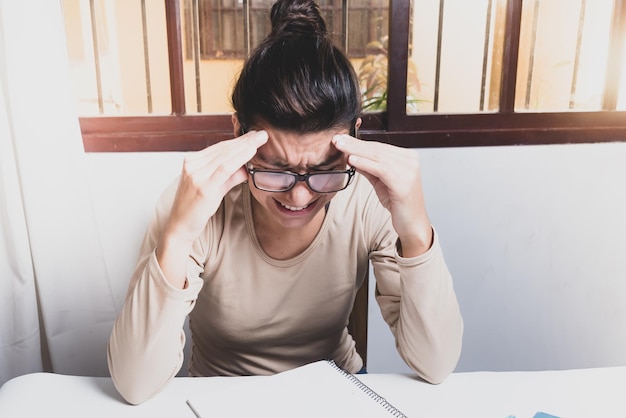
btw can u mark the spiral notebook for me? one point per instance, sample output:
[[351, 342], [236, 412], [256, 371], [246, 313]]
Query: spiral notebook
[[318, 389]]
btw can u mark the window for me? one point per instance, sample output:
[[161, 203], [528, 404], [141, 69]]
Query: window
[[230, 28], [213, 26], [561, 60], [434, 73], [118, 57], [525, 76]]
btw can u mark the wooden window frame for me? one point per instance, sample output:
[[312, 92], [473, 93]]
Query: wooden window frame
[[182, 132]]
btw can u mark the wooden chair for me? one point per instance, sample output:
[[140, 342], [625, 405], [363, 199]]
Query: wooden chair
[[357, 325]]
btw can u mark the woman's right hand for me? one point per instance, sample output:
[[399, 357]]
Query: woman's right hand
[[206, 177]]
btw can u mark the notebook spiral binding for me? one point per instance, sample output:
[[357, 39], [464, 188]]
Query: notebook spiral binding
[[395, 412]]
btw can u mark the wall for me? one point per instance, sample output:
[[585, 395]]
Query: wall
[[535, 238]]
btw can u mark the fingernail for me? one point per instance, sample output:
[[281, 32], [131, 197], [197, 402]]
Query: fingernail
[[262, 135], [338, 139]]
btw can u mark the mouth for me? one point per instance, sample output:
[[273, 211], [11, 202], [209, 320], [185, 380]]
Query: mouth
[[295, 210]]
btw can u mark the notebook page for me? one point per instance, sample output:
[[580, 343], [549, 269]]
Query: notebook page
[[318, 389]]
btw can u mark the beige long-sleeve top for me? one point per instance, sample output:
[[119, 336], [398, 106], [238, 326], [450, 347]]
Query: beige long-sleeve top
[[250, 314]]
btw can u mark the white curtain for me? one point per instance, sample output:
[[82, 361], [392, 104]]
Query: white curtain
[[56, 304]]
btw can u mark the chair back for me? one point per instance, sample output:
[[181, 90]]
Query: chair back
[[357, 325]]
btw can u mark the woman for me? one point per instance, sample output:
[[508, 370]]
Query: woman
[[266, 238]]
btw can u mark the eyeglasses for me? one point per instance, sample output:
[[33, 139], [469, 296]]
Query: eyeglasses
[[283, 181]]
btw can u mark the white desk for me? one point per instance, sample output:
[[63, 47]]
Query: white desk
[[596, 393]]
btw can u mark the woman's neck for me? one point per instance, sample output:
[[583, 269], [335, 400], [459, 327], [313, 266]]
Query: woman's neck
[[283, 243]]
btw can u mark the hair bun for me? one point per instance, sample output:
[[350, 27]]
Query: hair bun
[[297, 16]]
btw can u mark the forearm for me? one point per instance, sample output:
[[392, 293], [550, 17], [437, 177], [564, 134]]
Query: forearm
[[146, 345], [172, 255], [424, 316], [429, 333]]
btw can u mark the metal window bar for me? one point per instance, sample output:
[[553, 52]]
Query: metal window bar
[[531, 55], [246, 28], [579, 40], [96, 54], [219, 22], [438, 58], [196, 52], [146, 55], [510, 56], [483, 79], [616, 45], [344, 24], [175, 56]]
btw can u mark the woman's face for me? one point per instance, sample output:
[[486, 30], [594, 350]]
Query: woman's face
[[301, 154]]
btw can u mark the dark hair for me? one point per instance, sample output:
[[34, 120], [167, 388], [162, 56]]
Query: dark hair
[[297, 79]]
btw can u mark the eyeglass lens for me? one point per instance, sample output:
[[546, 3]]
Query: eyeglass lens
[[328, 182], [273, 181]]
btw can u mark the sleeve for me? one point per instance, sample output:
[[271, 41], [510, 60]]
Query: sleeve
[[417, 300], [146, 344]]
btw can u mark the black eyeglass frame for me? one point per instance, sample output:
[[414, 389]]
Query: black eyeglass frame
[[300, 177]]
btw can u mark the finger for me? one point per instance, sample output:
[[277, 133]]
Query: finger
[[242, 149], [352, 146], [220, 170], [238, 154], [254, 138], [370, 168], [238, 177]]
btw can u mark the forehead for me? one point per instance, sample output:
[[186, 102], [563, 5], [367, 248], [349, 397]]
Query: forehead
[[292, 149]]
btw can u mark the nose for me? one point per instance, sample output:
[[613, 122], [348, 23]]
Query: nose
[[301, 194]]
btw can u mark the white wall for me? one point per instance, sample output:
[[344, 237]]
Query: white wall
[[125, 188], [535, 237]]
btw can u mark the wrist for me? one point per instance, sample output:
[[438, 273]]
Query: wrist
[[172, 254]]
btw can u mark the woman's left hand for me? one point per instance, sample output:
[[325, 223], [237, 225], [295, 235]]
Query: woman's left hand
[[395, 174]]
